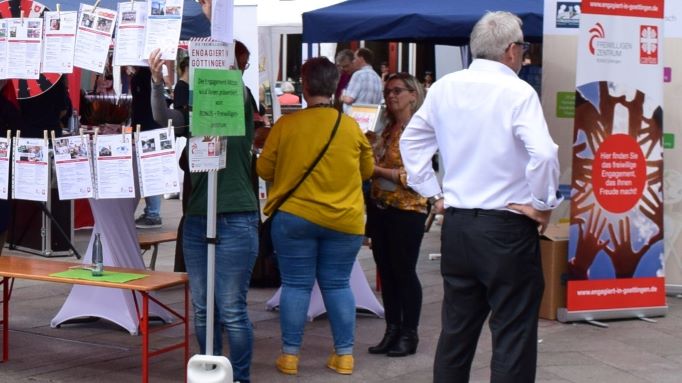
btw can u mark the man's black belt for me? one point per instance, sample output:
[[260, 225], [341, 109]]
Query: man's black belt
[[485, 212]]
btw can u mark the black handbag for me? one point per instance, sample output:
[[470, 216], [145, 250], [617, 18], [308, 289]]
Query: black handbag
[[265, 238]]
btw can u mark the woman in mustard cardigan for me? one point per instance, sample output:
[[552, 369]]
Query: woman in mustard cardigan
[[318, 231]]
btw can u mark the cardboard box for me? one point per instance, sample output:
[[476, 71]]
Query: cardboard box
[[554, 250]]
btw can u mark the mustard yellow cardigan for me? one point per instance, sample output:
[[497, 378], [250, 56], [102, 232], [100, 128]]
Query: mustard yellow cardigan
[[331, 196]]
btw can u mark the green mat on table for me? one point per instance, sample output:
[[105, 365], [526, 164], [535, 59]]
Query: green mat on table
[[107, 276]]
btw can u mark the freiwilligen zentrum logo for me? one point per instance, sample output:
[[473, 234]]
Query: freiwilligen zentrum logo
[[605, 49], [596, 32]]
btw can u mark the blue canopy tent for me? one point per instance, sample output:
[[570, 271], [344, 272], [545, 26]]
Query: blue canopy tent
[[447, 22]]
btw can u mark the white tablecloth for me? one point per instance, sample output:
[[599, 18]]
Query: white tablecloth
[[114, 219], [364, 296]]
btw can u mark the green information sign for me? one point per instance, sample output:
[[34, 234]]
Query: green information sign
[[218, 104], [565, 104], [668, 141]]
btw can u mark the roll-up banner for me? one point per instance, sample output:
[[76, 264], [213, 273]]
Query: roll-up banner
[[616, 233]]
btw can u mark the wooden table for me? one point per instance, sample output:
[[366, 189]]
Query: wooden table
[[12, 267]]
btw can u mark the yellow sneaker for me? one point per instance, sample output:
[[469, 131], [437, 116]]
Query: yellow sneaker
[[342, 364], [287, 364]]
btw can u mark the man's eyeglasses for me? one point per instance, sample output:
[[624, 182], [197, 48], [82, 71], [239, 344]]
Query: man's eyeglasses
[[395, 91], [525, 45]]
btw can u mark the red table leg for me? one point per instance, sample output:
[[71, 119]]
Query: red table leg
[[5, 319]]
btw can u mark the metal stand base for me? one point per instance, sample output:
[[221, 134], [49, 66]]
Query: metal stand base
[[564, 316], [44, 253], [673, 290]]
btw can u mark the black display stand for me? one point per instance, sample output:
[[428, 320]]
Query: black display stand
[[42, 228]]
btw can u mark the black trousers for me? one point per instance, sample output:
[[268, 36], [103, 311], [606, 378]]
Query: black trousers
[[490, 263], [396, 237]]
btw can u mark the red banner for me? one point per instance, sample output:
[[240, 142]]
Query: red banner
[[641, 8], [616, 294]]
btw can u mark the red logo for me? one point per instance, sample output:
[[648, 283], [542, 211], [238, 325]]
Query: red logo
[[648, 44], [596, 32]]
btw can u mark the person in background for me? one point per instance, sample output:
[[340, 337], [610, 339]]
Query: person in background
[[288, 97], [500, 183], [180, 118], [396, 215], [318, 230], [10, 120], [428, 79], [235, 250], [385, 72], [344, 62], [181, 89], [365, 85], [141, 114]]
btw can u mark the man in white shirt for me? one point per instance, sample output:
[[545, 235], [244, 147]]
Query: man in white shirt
[[499, 186], [365, 85]]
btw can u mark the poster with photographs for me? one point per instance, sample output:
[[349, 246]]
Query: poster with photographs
[[156, 162], [3, 48], [164, 22], [73, 166], [30, 169], [5, 147], [93, 37], [207, 153], [59, 39], [113, 157], [24, 42], [130, 30]]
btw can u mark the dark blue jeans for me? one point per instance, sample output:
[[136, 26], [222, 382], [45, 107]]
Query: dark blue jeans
[[236, 253], [306, 252]]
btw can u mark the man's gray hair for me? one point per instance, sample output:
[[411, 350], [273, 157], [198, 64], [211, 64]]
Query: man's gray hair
[[345, 54], [493, 33]]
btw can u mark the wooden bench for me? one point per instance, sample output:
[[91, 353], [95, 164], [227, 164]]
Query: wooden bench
[[152, 239], [13, 267]]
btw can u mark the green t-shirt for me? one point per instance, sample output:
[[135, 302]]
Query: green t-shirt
[[235, 190]]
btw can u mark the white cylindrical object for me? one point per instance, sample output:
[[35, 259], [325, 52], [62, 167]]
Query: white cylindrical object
[[200, 369]]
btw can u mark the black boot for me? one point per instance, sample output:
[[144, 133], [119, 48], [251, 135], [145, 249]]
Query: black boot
[[406, 345], [390, 338]]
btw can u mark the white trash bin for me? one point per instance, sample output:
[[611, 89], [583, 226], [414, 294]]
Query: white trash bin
[[199, 369]]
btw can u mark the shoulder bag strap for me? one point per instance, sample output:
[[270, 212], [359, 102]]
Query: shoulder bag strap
[[310, 169]]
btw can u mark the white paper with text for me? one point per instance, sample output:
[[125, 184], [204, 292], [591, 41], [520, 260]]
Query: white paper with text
[[73, 166], [207, 153], [130, 31], [5, 150], [114, 166], [157, 162], [59, 41], [3, 48], [164, 22], [30, 172], [94, 37], [25, 37]]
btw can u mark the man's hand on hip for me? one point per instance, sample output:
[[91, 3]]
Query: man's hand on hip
[[539, 216]]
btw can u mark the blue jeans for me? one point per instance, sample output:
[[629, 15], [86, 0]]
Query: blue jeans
[[306, 252], [235, 255], [152, 208]]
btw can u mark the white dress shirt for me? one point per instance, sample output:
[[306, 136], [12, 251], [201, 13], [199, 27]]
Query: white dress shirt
[[493, 139]]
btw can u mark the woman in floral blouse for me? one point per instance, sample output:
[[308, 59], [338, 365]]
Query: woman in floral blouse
[[396, 217]]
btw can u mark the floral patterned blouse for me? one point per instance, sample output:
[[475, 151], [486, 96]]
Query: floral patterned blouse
[[385, 192]]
